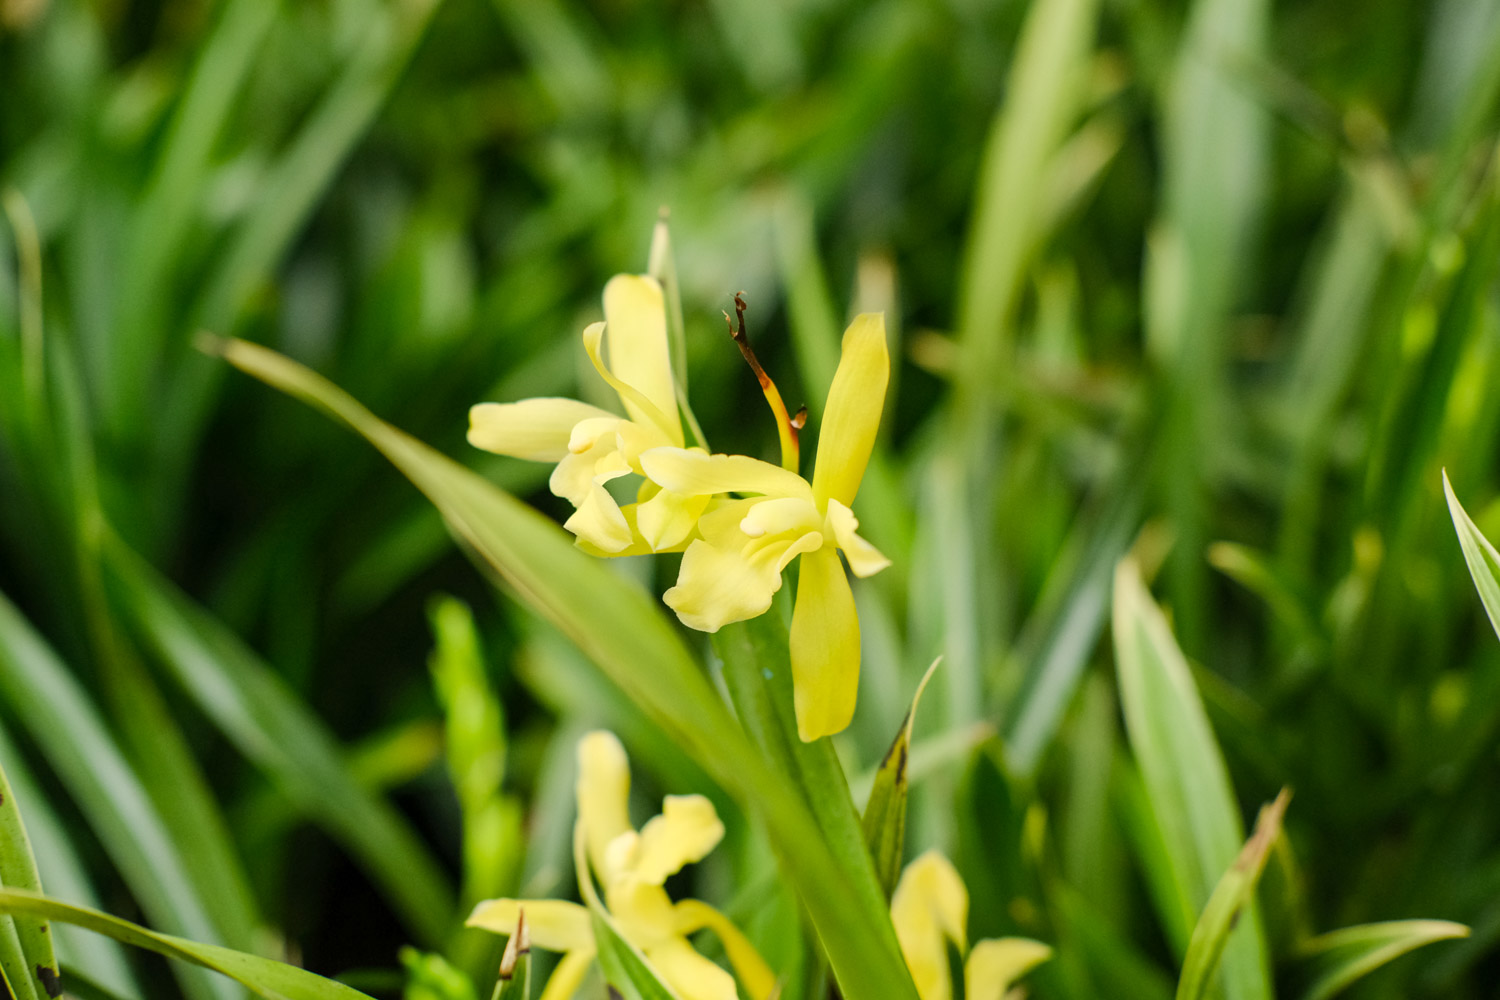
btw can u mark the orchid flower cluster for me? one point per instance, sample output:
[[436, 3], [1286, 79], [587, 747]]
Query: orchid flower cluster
[[739, 521]]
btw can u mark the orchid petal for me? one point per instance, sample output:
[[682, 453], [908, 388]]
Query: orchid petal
[[642, 410], [533, 429], [995, 964], [635, 319], [864, 558], [603, 792], [852, 416], [666, 520], [685, 470], [824, 647], [930, 904], [600, 522], [689, 974], [716, 586], [753, 972], [553, 924], [780, 515], [568, 976], [685, 831]]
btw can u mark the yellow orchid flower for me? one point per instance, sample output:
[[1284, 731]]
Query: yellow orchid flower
[[631, 866], [732, 571], [592, 446], [929, 908]]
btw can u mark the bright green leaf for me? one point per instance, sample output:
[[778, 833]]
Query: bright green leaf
[[1338, 958], [1483, 560], [1185, 779], [272, 980], [1231, 895]]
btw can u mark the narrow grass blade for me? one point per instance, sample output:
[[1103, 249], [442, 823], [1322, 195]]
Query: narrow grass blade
[[63, 722], [1185, 779], [1338, 958], [272, 980], [1483, 560], [1045, 86], [18, 870], [1234, 891], [271, 727], [62, 872], [884, 821], [621, 629]]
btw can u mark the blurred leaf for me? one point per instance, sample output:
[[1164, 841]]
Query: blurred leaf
[[1185, 778], [62, 872], [431, 977], [60, 718], [1043, 96], [32, 937], [1338, 958], [1230, 897], [271, 727], [272, 980], [1483, 560], [621, 630], [884, 820]]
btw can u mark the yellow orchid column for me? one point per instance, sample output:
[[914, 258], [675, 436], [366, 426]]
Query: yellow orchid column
[[930, 908], [592, 446], [732, 572], [631, 866]]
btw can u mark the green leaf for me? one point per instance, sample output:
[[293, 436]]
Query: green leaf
[[1183, 771], [622, 630], [1234, 891], [272, 980], [75, 740], [758, 673], [884, 821], [1338, 958], [1483, 560], [18, 871]]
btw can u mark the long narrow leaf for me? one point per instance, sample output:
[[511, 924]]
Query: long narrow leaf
[[1338, 958], [275, 730], [622, 630], [272, 980], [18, 871], [884, 819], [1231, 895], [1185, 778], [60, 718], [1483, 560]]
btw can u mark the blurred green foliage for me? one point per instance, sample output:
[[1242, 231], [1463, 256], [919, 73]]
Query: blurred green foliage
[[1215, 281]]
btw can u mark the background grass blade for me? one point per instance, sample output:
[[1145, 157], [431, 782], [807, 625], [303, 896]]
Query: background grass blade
[[58, 716], [272, 980], [272, 728], [18, 870], [1339, 958], [1184, 775], [1235, 890], [620, 628]]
